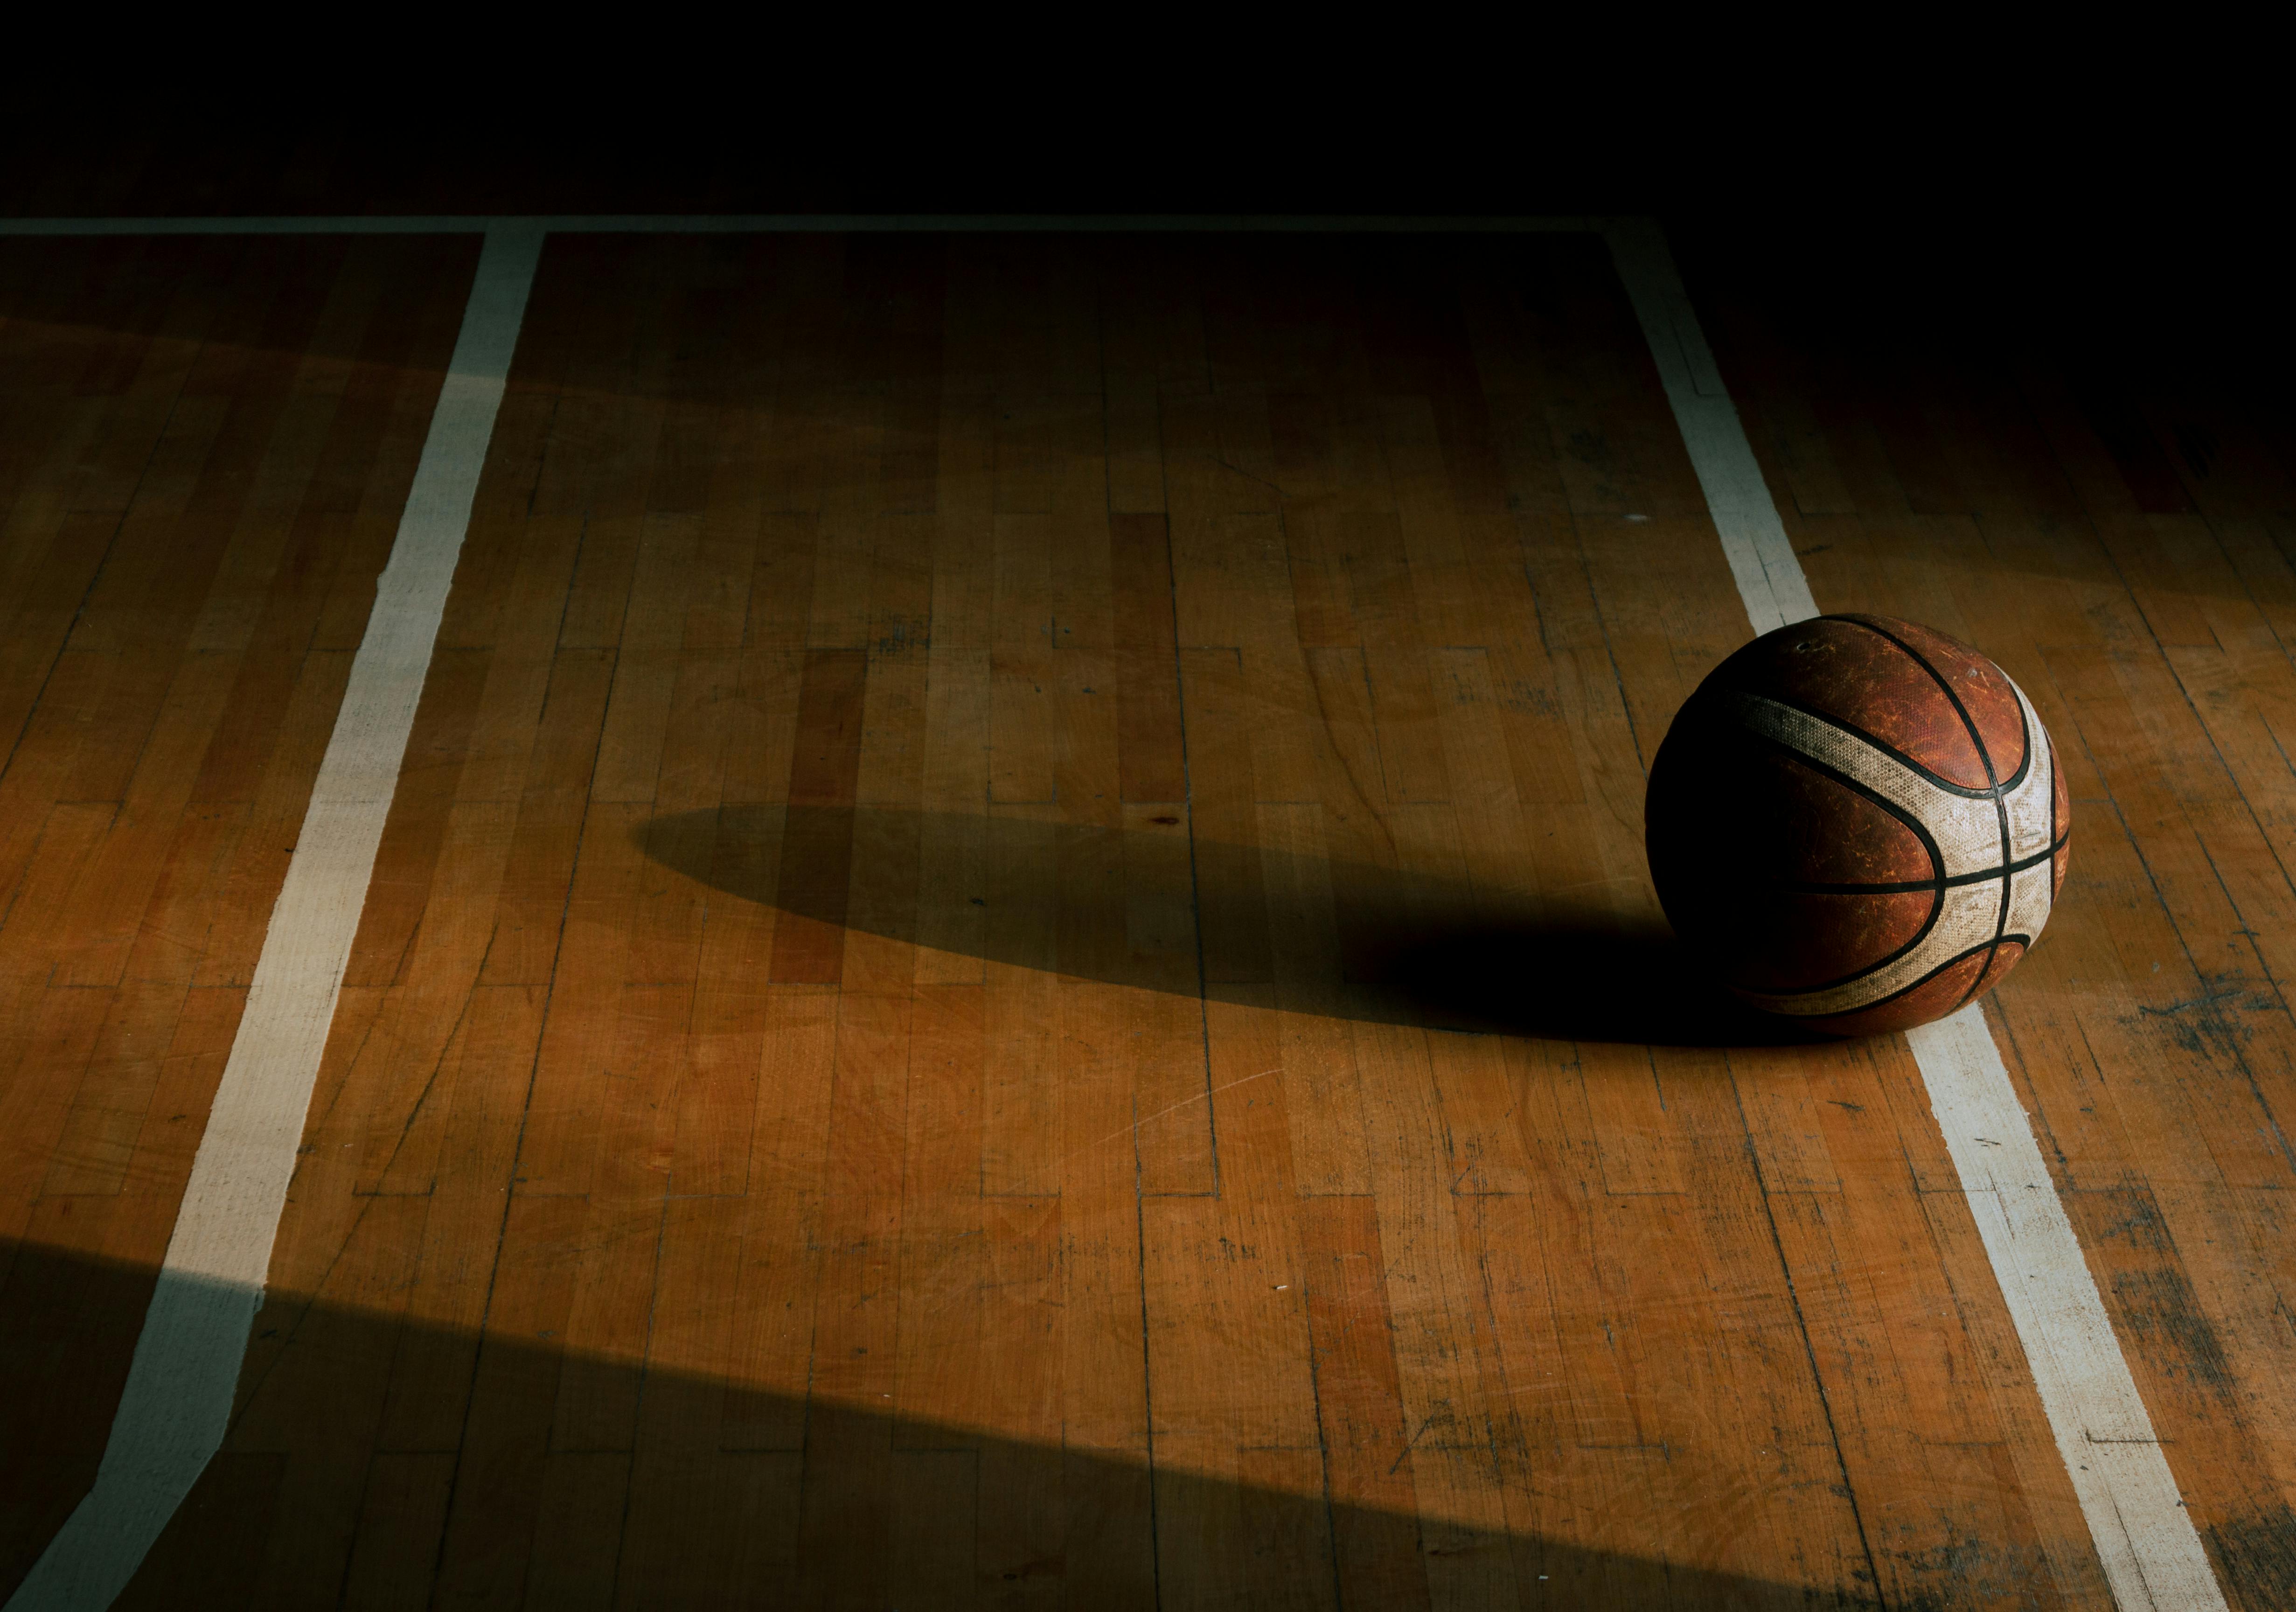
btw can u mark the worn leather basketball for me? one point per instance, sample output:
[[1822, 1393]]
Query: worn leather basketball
[[1859, 822]]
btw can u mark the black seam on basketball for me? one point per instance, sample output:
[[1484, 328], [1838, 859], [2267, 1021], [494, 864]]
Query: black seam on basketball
[[1856, 786], [1843, 1013], [1985, 757], [1881, 744], [1976, 738], [1928, 846], [1984, 754], [2008, 846], [2025, 731], [1921, 830], [2005, 873], [1909, 886]]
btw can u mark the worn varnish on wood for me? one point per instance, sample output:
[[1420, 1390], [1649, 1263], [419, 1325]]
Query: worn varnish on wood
[[1012, 964]]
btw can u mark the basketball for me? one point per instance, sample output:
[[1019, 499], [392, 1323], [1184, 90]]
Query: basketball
[[1858, 822]]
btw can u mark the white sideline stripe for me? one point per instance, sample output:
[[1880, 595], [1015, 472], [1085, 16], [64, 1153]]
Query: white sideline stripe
[[2145, 1536], [175, 1409], [775, 224], [176, 1404], [2152, 1555], [1754, 542]]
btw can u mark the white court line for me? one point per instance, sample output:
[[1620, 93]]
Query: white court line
[[2152, 1555], [173, 1411], [1753, 539], [175, 1407], [777, 224], [2145, 1536]]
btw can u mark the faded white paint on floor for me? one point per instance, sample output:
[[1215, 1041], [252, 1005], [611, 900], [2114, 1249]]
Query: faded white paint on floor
[[176, 1404], [172, 1415]]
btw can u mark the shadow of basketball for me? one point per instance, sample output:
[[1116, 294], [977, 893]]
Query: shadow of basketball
[[1154, 909], [1578, 979]]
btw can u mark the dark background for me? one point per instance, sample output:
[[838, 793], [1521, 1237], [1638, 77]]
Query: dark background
[[2131, 214]]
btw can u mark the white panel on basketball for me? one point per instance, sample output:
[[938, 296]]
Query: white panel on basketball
[[1968, 832], [2030, 893], [1965, 924], [2145, 1541], [2033, 804]]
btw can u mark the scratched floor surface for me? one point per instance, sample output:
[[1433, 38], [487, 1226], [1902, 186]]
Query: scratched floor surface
[[1013, 964]]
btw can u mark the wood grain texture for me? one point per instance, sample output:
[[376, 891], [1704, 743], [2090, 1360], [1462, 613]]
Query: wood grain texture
[[248, 426], [905, 1047]]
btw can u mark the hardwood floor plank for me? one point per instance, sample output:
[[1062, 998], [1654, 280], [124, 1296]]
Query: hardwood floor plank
[[469, 1178], [402, 1518], [1223, 788], [876, 1066], [781, 1250], [559, 1151], [812, 888]]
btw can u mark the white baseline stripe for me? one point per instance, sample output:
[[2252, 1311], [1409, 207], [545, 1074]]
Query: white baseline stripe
[[771, 224], [2145, 1536], [175, 1409]]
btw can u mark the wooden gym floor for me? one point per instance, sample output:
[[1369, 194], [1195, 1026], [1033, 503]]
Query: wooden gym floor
[[1011, 965]]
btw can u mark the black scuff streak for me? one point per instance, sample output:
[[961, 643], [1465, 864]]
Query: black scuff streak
[[2161, 1316], [2255, 1557], [1966, 1570]]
